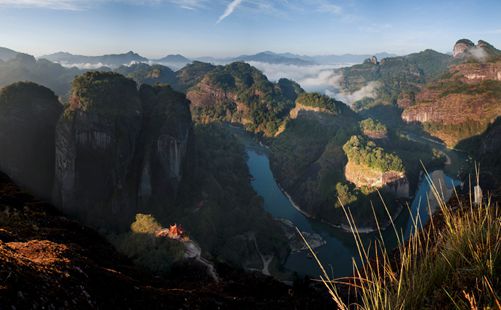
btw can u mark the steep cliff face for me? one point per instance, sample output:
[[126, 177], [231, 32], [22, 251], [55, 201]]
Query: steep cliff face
[[462, 103], [95, 143], [164, 141], [465, 49], [461, 47], [28, 117], [120, 150], [392, 181]]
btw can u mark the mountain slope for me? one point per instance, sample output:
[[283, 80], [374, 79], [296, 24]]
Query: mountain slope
[[26, 68], [463, 102], [241, 94], [146, 74], [396, 79], [48, 261], [7, 54]]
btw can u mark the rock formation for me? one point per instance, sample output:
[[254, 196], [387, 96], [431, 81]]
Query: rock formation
[[461, 47], [95, 143], [28, 117], [163, 143], [464, 101], [118, 149]]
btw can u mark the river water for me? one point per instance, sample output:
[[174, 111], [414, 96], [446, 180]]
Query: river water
[[340, 250]]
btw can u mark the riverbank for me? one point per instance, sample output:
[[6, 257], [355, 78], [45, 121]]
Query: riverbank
[[344, 227]]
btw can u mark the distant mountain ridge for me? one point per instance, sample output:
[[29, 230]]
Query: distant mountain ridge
[[7, 54], [272, 58], [177, 61], [296, 59], [111, 60]]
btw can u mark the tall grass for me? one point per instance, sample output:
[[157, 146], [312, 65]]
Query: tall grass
[[451, 263]]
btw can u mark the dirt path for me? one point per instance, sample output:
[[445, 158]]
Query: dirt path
[[265, 259], [192, 250]]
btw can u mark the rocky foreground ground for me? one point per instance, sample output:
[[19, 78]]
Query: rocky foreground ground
[[50, 262]]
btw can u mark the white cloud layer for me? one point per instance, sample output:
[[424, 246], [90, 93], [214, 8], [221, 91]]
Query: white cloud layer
[[324, 79]]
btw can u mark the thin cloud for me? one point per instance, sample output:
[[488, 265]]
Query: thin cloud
[[189, 4], [70, 5], [330, 8], [77, 5], [229, 10]]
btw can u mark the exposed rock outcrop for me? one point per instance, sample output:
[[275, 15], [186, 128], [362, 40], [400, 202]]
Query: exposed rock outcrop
[[28, 117], [95, 143], [462, 103], [393, 181], [293, 114], [118, 149], [163, 143], [461, 47]]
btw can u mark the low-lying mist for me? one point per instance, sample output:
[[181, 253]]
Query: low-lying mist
[[324, 79]]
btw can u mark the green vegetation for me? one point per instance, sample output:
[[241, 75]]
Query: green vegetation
[[191, 74], [266, 104], [145, 249], [345, 195], [454, 263], [489, 87], [370, 125], [365, 152], [43, 72], [395, 75], [456, 132], [220, 209], [146, 74], [316, 100], [104, 93]]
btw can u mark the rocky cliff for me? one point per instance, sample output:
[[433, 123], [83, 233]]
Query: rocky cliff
[[119, 149], [163, 143], [466, 50], [462, 102], [96, 139], [28, 117], [393, 181]]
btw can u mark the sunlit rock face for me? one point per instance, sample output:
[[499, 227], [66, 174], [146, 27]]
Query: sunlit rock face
[[461, 47], [28, 117], [391, 181], [95, 144]]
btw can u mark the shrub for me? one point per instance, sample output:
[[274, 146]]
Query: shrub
[[145, 249]]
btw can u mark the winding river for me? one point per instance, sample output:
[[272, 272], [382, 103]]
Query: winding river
[[340, 249]]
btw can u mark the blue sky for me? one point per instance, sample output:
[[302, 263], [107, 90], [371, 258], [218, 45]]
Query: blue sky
[[231, 27]]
